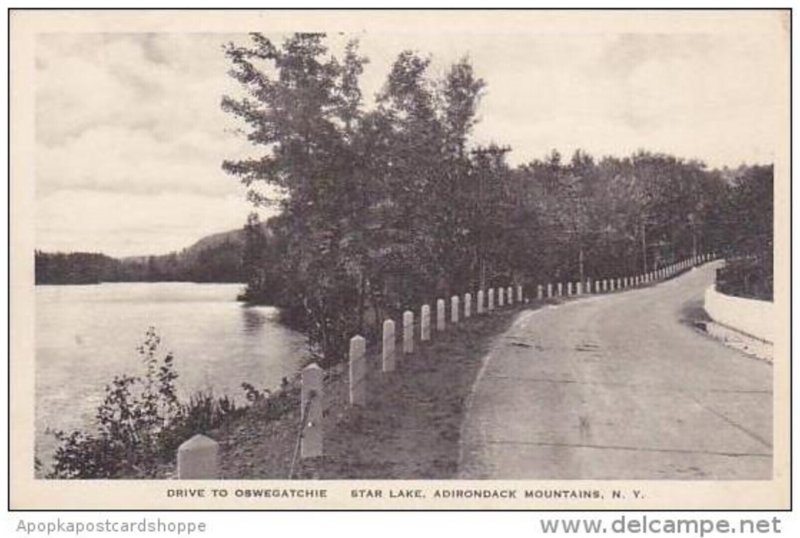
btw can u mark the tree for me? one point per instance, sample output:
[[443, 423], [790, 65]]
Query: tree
[[461, 94], [426, 173], [254, 253], [390, 208], [491, 222], [750, 214], [302, 105]]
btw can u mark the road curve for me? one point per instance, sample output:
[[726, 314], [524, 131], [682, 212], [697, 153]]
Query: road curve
[[618, 387]]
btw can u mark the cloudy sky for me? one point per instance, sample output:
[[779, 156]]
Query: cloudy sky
[[130, 135]]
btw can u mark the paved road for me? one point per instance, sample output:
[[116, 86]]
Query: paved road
[[618, 387]]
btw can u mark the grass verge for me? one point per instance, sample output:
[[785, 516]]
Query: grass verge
[[409, 428]]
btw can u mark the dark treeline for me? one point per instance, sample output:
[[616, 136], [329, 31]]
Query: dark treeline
[[389, 207], [74, 268], [217, 262], [214, 258], [747, 223]]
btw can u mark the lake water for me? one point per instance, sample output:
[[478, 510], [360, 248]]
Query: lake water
[[85, 335]]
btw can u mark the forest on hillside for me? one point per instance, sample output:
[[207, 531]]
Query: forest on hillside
[[387, 205], [219, 261]]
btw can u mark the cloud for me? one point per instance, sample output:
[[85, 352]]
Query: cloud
[[137, 160], [131, 136], [133, 113], [710, 97], [123, 224]]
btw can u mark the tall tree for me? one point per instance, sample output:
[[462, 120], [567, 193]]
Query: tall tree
[[302, 105]]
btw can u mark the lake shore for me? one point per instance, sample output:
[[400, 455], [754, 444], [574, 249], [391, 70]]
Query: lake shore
[[409, 429], [87, 335]]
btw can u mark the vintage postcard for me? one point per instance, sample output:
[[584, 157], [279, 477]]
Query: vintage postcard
[[400, 259]]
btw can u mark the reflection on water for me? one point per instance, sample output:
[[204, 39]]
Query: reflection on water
[[253, 319], [85, 335]]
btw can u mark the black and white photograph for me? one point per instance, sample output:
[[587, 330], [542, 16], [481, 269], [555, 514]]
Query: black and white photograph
[[400, 259]]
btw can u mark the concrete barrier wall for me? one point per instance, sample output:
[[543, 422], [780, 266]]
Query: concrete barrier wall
[[750, 316]]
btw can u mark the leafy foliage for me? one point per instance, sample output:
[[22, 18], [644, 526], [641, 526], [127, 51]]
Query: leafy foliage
[[388, 208], [747, 232], [140, 423]]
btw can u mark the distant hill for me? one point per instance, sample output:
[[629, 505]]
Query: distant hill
[[214, 258]]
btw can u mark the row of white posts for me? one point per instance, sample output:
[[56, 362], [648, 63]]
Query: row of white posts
[[613, 284], [198, 457], [460, 308]]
